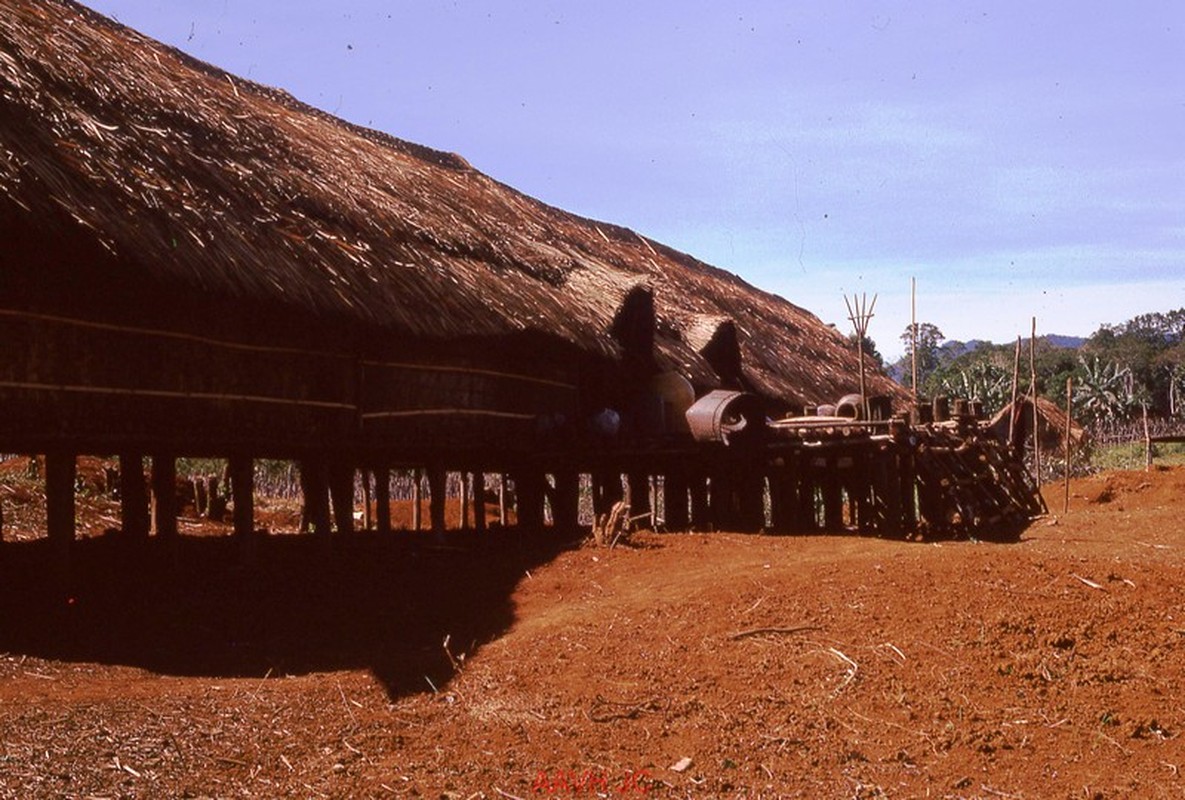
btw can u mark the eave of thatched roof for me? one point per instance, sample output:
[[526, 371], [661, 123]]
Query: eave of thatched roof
[[199, 178]]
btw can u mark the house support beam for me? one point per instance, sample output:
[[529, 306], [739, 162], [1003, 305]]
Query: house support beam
[[164, 495], [61, 470], [133, 496], [382, 500]]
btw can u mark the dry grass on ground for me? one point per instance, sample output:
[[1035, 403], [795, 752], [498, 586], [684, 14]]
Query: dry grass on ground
[[760, 666]]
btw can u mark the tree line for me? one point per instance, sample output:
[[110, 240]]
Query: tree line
[[1116, 373]]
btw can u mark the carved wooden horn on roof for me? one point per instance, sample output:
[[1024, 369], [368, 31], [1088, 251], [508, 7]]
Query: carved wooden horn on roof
[[717, 340], [634, 326]]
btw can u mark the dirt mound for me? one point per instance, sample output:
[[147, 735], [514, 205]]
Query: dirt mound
[[1160, 485], [682, 666]]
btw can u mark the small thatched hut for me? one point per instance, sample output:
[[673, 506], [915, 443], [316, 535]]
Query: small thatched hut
[[1051, 425]]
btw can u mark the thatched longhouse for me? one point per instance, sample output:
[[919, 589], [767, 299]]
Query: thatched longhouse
[[193, 263]]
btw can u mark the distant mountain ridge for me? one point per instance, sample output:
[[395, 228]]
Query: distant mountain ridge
[[951, 349]]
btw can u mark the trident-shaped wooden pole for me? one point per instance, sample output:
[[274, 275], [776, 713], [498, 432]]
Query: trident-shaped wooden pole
[[860, 313]]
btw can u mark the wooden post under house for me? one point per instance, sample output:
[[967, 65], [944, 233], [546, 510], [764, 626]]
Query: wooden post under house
[[502, 499], [367, 499], [675, 512], [701, 511], [436, 491], [466, 484], [479, 502], [61, 471], [314, 483], [639, 496], [382, 500], [242, 487], [417, 500], [566, 513], [164, 495], [529, 496], [341, 496], [133, 496]]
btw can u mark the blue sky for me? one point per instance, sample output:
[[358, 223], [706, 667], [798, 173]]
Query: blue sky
[[1019, 159]]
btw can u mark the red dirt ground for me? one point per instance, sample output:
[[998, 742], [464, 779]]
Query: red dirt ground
[[684, 665]]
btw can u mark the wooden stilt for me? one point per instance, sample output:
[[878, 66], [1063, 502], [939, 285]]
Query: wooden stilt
[[888, 494], [341, 496], [382, 500], [832, 497], [314, 484], [215, 500], [567, 502], [436, 492], [640, 497], [701, 511], [201, 493], [242, 486], [60, 474], [528, 495], [750, 501], [723, 500], [809, 516], [907, 471], [862, 489], [502, 499], [675, 513], [466, 488], [164, 495], [779, 503], [607, 491], [417, 500], [479, 502], [547, 486], [367, 499], [133, 495]]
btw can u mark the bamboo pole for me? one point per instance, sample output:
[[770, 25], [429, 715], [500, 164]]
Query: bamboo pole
[[1036, 413], [913, 332], [1147, 441], [1012, 417], [1069, 428]]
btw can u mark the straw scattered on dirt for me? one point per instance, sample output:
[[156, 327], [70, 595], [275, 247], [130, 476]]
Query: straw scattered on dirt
[[682, 666]]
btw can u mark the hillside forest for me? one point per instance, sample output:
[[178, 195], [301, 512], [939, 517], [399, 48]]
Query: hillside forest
[[1115, 373]]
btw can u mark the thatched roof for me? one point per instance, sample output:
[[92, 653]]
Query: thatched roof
[[203, 180], [1051, 422]]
